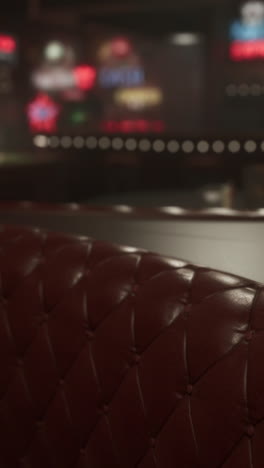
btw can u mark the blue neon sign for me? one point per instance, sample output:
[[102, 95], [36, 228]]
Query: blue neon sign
[[121, 76], [246, 32]]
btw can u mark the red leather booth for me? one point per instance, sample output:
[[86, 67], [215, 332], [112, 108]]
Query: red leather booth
[[222, 239], [114, 357]]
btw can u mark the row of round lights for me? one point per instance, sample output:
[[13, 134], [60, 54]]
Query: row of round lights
[[244, 90], [145, 144]]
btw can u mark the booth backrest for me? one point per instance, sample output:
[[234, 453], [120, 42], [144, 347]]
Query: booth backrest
[[221, 239], [112, 357]]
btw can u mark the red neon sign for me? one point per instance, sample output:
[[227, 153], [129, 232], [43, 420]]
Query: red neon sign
[[7, 44], [85, 77], [247, 50], [43, 114], [133, 126], [120, 47]]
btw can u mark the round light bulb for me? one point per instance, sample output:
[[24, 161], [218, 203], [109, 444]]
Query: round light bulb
[[54, 51]]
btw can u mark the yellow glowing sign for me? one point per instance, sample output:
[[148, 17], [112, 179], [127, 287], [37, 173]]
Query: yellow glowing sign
[[139, 98]]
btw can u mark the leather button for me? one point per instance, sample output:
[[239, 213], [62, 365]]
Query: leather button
[[249, 335], [61, 382], [137, 359], [134, 289], [45, 318], [40, 424], [250, 431], [20, 363], [105, 409], [190, 389], [89, 334], [152, 442]]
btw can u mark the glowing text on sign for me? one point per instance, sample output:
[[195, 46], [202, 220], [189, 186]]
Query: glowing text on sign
[[247, 33], [133, 126], [121, 76], [58, 79], [139, 98]]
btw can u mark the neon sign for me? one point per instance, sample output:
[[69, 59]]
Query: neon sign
[[43, 114], [79, 117], [139, 98], [7, 47], [251, 50], [58, 79], [247, 33], [133, 126], [121, 76], [85, 77], [120, 47]]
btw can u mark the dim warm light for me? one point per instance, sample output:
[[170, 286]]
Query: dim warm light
[[54, 51], [131, 144], [173, 146], [41, 141], [139, 98], [159, 146], [185, 39], [250, 146], [234, 146]]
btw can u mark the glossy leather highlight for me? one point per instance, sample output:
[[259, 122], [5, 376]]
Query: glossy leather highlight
[[115, 357]]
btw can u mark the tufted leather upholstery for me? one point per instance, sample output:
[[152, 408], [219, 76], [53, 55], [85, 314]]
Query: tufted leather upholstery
[[117, 358], [125, 211]]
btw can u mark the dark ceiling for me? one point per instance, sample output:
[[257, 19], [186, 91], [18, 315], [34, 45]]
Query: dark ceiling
[[175, 4], [18, 7], [162, 10]]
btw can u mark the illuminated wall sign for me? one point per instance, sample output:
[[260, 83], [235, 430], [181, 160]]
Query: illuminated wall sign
[[139, 98], [85, 77], [8, 47], [43, 114], [53, 80], [121, 76], [79, 117], [118, 47], [59, 79], [247, 33], [252, 50], [133, 126]]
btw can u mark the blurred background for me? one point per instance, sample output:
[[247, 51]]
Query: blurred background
[[143, 102]]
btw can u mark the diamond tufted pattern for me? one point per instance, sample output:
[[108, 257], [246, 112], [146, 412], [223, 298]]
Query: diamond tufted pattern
[[112, 357]]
